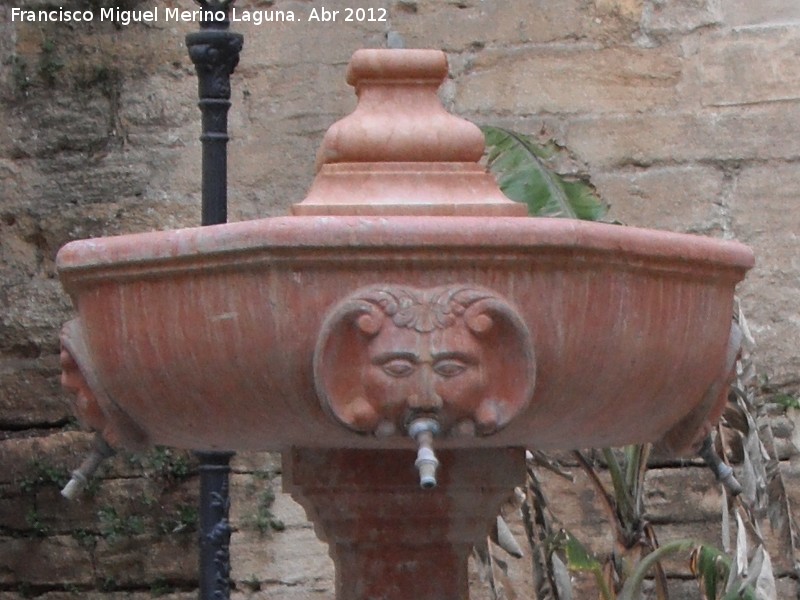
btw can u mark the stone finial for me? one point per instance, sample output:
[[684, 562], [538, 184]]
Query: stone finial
[[400, 152]]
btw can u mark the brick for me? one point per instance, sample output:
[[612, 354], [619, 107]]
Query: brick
[[681, 198], [719, 69], [571, 80], [741, 133], [766, 12]]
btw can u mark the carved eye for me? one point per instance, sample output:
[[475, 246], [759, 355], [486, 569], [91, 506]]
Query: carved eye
[[398, 367], [449, 367]]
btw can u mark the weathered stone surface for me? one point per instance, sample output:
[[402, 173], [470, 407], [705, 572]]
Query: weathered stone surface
[[458, 26], [122, 563], [27, 458], [765, 216], [252, 495], [685, 495], [44, 561], [715, 60], [725, 134], [768, 12], [570, 80], [294, 557], [30, 393], [663, 17], [110, 595], [681, 198]]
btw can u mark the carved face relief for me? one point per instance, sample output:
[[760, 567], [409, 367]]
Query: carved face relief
[[389, 354]]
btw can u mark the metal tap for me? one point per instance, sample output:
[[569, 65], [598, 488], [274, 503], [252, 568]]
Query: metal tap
[[423, 431]]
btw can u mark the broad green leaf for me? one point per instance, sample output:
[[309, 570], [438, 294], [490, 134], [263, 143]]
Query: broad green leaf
[[578, 557], [518, 163]]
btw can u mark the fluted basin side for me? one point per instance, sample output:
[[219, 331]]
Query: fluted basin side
[[204, 338]]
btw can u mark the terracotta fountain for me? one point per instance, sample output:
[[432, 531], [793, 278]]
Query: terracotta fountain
[[407, 327]]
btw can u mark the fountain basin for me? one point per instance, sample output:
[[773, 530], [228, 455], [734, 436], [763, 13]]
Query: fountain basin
[[205, 338]]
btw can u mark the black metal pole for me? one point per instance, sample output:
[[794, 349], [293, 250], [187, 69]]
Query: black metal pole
[[215, 53], [215, 530]]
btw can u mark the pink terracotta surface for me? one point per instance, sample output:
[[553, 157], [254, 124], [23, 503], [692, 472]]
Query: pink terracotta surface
[[205, 337], [282, 332], [390, 540]]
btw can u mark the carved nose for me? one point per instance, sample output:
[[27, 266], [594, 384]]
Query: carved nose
[[426, 398]]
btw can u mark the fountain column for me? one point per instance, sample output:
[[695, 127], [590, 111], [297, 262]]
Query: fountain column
[[389, 539]]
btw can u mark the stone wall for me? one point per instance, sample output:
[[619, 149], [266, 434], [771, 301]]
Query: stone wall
[[685, 113]]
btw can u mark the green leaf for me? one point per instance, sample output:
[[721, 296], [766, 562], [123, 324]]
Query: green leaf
[[578, 557], [518, 163], [710, 567], [630, 591]]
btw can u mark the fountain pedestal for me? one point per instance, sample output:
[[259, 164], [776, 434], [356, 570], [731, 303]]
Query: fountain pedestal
[[389, 540]]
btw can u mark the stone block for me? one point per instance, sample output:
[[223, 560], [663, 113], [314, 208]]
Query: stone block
[[49, 561], [737, 13], [720, 67], [471, 25], [45, 125], [30, 393], [570, 80], [663, 17], [146, 559], [683, 495], [766, 217], [294, 557], [255, 590], [247, 497], [39, 458], [28, 326], [760, 132], [680, 198]]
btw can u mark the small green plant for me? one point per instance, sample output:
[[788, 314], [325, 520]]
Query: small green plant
[[262, 518], [21, 75], [161, 587], [35, 523], [167, 465], [184, 519], [252, 583], [114, 526], [50, 64], [41, 474]]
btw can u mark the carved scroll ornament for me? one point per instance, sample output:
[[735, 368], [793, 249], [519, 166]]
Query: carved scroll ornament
[[387, 355]]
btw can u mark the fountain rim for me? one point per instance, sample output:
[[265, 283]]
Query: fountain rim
[[240, 244]]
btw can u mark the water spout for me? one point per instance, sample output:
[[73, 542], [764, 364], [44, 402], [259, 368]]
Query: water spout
[[80, 477], [423, 430]]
